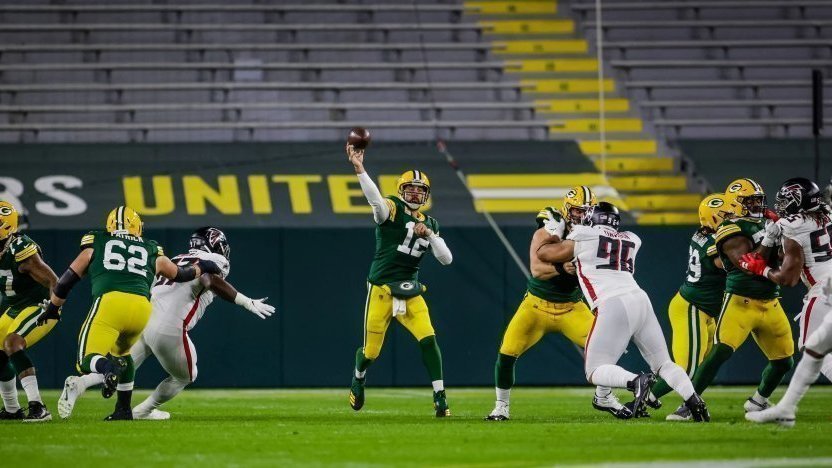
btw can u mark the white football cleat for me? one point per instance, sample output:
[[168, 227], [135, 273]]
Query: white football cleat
[[682, 413], [153, 415], [773, 415], [500, 412], [610, 404], [751, 405], [68, 397]]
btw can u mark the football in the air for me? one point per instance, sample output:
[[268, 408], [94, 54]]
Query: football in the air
[[359, 138]]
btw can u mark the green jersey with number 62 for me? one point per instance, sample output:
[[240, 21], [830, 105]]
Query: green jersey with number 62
[[121, 262], [705, 282], [19, 290], [740, 282], [398, 250]]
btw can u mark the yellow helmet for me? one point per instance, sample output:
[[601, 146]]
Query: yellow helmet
[[578, 197], [745, 192], [8, 220], [716, 208], [124, 219], [416, 179]]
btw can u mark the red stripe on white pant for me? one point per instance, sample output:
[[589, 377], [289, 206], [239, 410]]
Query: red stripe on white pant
[[186, 343], [806, 317]]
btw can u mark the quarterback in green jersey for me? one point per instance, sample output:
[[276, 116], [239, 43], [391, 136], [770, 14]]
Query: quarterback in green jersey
[[751, 303], [403, 235], [694, 309], [553, 303], [122, 266], [25, 281]]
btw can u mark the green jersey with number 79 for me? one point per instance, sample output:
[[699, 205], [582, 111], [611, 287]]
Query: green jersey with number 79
[[398, 249], [121, 262], [705, 282]]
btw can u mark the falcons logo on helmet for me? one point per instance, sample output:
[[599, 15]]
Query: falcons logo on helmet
[[792, 193]]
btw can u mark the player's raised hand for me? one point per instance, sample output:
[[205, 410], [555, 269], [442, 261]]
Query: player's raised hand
[[421, 230], [356, 157], [50, 312], [259, 308]]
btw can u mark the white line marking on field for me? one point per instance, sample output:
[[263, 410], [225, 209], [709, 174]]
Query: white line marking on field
[[724, 463]]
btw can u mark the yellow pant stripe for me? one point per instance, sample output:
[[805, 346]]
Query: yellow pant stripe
[[366, 311], [725, 300]]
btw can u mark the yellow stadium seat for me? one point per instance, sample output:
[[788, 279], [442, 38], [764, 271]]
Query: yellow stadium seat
[[593, 125], [580, 106], [630, 164], [567, 86], [525, 7], [619, 147], [557, 26], [664, 201], [560, 46], [649, 183], [569, 65], [668, 218]]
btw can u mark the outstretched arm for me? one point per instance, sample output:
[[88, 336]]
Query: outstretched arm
[[735, 247], [560, 252], [182, 274], [380, 205], [225, 290]]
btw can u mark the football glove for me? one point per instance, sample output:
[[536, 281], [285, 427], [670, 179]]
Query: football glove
[[773, 233], [555, 227], [257, 307], [753, 263], [50, 312]]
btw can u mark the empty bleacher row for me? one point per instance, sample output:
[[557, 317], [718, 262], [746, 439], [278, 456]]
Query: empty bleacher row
[[704, 68], [250, 71]]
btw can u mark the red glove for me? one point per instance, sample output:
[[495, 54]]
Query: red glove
[[753, 263], [771, 214]]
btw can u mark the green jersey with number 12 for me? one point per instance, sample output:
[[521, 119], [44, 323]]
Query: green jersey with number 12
[[398, 249], [121, 262]]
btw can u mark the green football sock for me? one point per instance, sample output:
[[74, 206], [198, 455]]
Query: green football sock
[[361, 362], [660, 389], [6, 371], [432, 357], [128, 374], [706, 373], [773, 374], [504, 371]]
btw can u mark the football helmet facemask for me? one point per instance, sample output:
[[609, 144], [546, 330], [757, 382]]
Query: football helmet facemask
[[413, 188], [576, 202], [749, 195], [211, 239]]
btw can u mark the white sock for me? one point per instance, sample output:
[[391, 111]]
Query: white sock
[[30, 386], [164, 392], [90, 380], [93, 362], [610, 375], [438, 385], [602, 392], [360, 375], [8, 390], [804, 375], [758, 398], [678, 380], [826, 368], [503, 394]]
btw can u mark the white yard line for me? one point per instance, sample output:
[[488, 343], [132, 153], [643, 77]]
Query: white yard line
[[721, 463]]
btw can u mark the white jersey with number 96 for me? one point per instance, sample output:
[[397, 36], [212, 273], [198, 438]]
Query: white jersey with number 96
[[605, 260]]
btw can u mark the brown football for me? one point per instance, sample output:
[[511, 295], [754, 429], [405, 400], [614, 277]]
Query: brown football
[[359, 138]]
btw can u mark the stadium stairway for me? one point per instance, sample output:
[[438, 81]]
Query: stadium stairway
[[545, 49]]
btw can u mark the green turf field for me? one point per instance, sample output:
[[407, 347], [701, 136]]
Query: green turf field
[[290, 427]]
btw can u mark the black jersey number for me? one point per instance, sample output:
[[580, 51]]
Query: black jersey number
[[618, 252], [822, 246]]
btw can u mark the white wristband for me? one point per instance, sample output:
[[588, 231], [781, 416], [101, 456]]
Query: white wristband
[[241, 299], [766, 271]]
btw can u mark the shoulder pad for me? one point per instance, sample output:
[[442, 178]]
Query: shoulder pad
[[22, 247], [88, 239], [727, 229]]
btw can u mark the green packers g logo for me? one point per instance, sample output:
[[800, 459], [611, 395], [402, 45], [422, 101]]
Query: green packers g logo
[[715, 203], [406, 286], [735, 187], [571, 194], [5, 210]]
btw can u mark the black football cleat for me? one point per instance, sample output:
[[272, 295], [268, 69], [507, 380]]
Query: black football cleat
[[120, 414], [37, 413], [640, 386], [440, 404], [653, 402], [16, 416], [698, 409], [108, 388], [641, 413], [357, 393]]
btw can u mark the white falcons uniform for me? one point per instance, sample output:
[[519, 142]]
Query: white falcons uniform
[[605, 261], [814, 240], [177, 307]]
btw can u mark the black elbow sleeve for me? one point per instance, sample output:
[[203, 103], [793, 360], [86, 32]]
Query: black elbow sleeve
[[65, 283], [184, 274]]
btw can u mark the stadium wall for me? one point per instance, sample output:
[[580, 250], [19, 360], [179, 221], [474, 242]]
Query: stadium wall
[[316, 278]]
